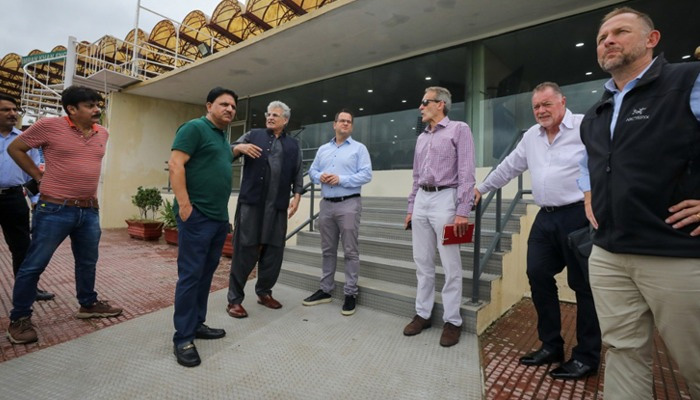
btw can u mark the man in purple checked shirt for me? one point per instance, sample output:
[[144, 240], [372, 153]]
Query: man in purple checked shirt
[[442, 193]]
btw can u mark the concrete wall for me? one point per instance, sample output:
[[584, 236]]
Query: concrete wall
[[141, 131]]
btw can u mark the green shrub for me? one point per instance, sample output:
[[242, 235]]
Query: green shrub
[[167, 215], [146, 200]]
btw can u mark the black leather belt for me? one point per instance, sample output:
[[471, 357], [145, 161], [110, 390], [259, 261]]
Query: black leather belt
[[12, 190], [550, 209], [339, 199], [434, 188]]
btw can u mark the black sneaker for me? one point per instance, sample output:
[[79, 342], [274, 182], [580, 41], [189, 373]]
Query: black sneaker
[[319, 297], [348, 306]]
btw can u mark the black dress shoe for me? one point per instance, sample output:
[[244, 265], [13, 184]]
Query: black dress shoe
[[542, 356], [572, 369], [187, 355], [43, 295], [205, 332]]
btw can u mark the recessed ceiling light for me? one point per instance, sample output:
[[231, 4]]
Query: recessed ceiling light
[[324, 115], [589, 73], [594, 91], [325, 101], [685, 57], [403, 101], [391, 120], [361, 109], [427, 78], [579, 44], [370, 91]]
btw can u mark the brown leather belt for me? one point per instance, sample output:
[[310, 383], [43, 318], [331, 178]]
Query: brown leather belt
[[80, 203]]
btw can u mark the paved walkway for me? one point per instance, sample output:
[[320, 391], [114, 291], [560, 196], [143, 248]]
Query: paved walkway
[[296, 352]]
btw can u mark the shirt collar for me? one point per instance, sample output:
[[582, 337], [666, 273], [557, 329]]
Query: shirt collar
[[567, 122], [611, 87], [348, 140], [72, 125], [443, 123]]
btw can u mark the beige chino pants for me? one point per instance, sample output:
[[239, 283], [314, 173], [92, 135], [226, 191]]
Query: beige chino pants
[[632, 293]]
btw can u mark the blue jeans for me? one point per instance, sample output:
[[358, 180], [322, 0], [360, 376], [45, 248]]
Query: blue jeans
[[52, 224], [200, 240]]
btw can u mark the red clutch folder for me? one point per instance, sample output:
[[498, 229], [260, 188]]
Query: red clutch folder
[[449, 237]]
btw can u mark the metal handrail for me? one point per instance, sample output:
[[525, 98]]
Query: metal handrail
[[479, 260]]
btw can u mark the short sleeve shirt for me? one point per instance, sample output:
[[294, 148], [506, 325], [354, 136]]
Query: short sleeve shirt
[[208, 172]]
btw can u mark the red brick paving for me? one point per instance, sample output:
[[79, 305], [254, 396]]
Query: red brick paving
[[515, 334], [138, 276]]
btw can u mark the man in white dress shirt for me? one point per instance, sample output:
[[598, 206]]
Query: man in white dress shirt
[[551, 150]]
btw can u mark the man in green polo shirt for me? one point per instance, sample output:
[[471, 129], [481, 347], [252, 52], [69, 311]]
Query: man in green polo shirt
[[200, 174]]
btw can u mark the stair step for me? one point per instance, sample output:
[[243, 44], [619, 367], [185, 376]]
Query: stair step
[[387, 250], [397, 271], [377, 294]]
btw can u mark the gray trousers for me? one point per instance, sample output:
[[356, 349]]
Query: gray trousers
[[340, 222], [269, 260]]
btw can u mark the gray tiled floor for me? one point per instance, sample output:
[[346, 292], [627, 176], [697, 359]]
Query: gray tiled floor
[[296, 352]]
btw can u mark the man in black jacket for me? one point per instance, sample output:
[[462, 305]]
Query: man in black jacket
[[271, 173], [643, 144]]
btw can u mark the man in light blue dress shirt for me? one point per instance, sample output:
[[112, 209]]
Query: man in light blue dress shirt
[[341, 166], [14, 212]]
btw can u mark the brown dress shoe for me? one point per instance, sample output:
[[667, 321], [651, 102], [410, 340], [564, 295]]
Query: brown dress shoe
[[416, 326], [269, 302], [450, 335], [236, 311]]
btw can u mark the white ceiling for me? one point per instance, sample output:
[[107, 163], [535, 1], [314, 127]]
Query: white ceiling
[[348, 35]]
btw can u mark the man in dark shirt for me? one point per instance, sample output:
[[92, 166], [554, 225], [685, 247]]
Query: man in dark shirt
[[272, 171], [200, 174]]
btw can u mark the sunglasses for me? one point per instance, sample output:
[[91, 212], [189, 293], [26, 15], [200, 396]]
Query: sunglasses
[[425, 102]]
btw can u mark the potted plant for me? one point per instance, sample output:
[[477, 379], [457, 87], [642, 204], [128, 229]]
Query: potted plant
[[144, 228], [167, 215]]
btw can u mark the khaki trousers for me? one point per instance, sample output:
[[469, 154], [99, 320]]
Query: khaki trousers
[[632, 293]]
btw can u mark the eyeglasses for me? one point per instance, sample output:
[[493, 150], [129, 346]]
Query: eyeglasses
[[425, 102], [273, 115]]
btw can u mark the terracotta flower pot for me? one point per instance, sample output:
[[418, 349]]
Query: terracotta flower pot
[[144, 230], [228, 246], [170, 235]]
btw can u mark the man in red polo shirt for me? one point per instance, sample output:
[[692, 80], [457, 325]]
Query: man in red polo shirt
[[73, 149]]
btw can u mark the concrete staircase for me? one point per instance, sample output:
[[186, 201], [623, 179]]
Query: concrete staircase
[[387, 272]]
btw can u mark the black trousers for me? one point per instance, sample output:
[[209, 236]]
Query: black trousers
[[547, 255], [14, 220]]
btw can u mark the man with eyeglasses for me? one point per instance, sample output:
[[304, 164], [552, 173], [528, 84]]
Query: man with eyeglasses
[[341, 167], [14, 212], [442, 193], [271, 173], [200, 174]]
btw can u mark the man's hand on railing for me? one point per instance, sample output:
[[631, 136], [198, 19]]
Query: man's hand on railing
[[477, 196], [461, 225]]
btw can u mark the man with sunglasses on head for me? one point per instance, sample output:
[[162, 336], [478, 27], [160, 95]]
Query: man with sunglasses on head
[[200, 173], [442, 193], [341, 167], [14, 211], [73, 148], [271, 173]]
